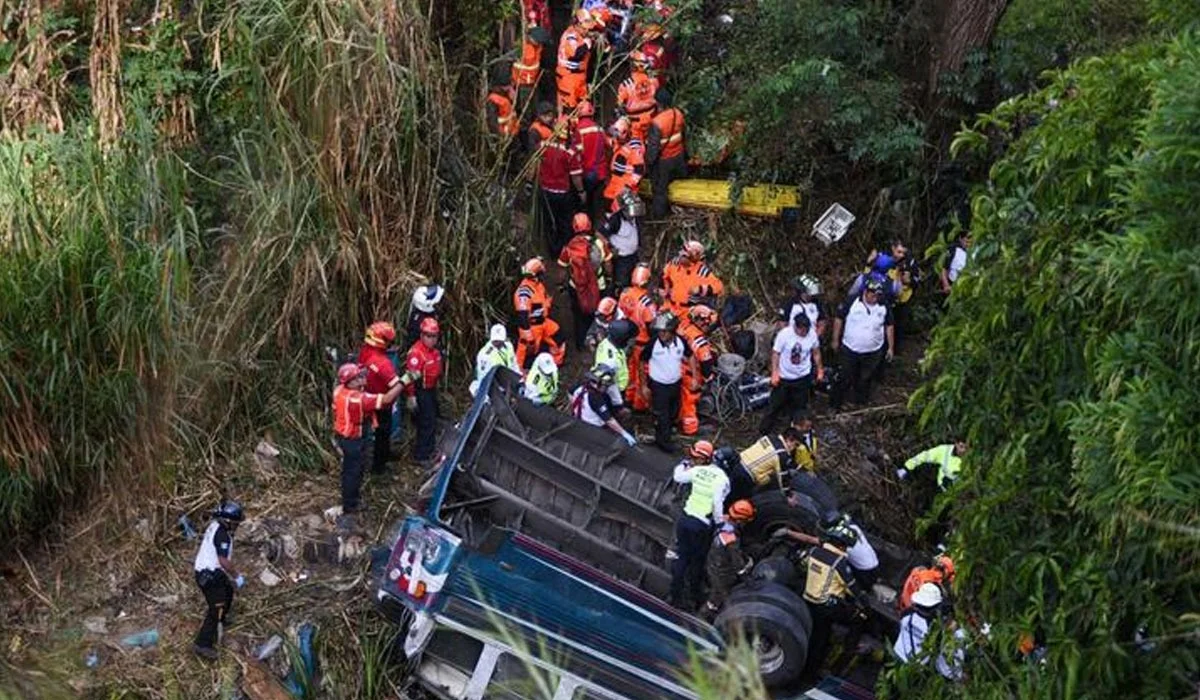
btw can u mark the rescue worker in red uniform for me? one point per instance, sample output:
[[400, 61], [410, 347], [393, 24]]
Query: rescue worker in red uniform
[[424, 364], [654, 49], [666, 152], [592, 145], [381, 377], [628, 163], [694, 331], [574, 59], [688, 275], [535, 329], [638, 306], [590, 253], [351, 408], [560, 183], [635, 96]]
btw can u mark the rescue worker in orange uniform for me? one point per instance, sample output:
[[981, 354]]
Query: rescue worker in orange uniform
[[635, 96], [666, 151], [535, 329], [589, 140], [352, 406], [574, 59], [941, 573], [628, 163], [638, 306], [527, 70], [502, 112], [694, 330], [688, 275], [586, 254], [541, 129]]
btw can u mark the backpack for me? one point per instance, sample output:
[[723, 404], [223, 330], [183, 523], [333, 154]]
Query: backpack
[[583, 274]]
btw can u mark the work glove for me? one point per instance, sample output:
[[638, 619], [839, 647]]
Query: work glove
[[411, 403], [629, 438], [240, 581], [901, 473]]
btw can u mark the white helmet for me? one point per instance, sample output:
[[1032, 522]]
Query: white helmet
[[544, 363], [498, 333], [929, 595], [426, 297], [808, 284]]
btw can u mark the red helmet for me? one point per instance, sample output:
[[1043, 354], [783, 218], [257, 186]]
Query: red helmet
[[533, 267], [641, 275], [380, 334], [741, 511], [348, 372], [586, 109], [581, 223], [702, 450], [429, 326], [606, 308]]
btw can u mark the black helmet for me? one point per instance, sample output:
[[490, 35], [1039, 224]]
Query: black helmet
[[601, 375], [229, 510], [621, 331], [840, 534]]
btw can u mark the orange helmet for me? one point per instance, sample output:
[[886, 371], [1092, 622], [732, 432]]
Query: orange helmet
[[652, 31], [349, 372], [639, 59], [741, 511], [641, 275], [946, 564], [380, 334], [606, 308], [694, 250], [586, 108], [620, 129], [533, 267], [701, 314], [581, 223], [429, 326], [702, 450]]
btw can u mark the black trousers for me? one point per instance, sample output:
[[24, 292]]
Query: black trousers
[[692, 540], [383, 441], [425, 418], [579, 320], [218, 596], [665, 170], [818, 642], [556, 211], [622, 272], [790, 398], [664, 402], [352, 471], [593, 191], [741, 484], [858, 374]]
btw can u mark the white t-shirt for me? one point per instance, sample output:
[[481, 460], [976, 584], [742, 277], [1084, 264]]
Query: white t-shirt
[[808, 309], [795, 352], [862, 555], [666, 361], [864, 324], [957, 262], [624, 241], [913, 630], [216, 541]]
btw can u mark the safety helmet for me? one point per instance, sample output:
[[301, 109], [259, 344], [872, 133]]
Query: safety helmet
[[601, 375], [665, 321], [606, 308], [621, 331], [348, 372], [630, 204], [701, 315], [694, 250], [498, 333], [533, 267], [807, 284], [585, 109], [929, 595], [544, 364], [875, 285], [429, 326], [620, 129], [702, 450], [741, 511], [651, 31], [841, 534], [641, 275], [229, 510], [380, 334], [426, 297], [581, 223], [946, 564]]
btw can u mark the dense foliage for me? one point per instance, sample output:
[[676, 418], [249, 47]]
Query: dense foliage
[[1069, 359]]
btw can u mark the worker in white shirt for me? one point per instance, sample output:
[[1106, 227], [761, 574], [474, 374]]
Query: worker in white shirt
[[216, 576], [703, 510], [498, 352], [795, 361], [863, 336], [922, 620], [592, 402], [959, 254], [663, 362]]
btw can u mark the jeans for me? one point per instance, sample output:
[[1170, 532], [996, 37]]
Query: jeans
[[790, 397], [858, 372], [692, 537], [383, 441], [664, 402], [426, 419], [218, 596], [352, 471]]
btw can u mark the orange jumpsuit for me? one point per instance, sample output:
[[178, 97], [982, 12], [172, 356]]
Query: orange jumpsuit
[[500, 109], [682, 277], [695, 373], [535, 329], [638, 306], [628, 167], [574, 57], [636, 97]]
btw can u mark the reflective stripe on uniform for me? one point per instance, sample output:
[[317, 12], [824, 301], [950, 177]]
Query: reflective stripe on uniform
[[704, 485]]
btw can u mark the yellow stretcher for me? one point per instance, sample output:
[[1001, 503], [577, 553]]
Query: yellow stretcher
[[756, 200]]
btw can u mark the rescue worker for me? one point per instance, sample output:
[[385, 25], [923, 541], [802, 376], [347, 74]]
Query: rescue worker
[[703, 510], [351, 407], [425, 301], [806, 450], [635, 96], [956, 260], [795, 360], [591, 402], [694, 330], [662, 364], [947, 458], [381, 378], [497, 352], [831, 590], [767, 461], [540, 131], [688, 274], [806, 299], [628, 163], [216, 576], [560, 187], [666, 151], [607, 311], [866, 329], [589, 139], [655, 52], [622, 228], [922, 621], [942, 574], [527, 70], [727, 563], [541, 383], [610, 352], [502, 111], [574, 59], [588, 262], [425, 365], [637, 304], [535, 329]]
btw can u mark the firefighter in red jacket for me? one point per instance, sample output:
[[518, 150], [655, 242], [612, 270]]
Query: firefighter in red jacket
[[425, 365], [589, 140], [560, 182], [381, 377]]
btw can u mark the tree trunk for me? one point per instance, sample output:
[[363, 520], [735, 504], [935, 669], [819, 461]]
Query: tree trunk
[[965, 25]]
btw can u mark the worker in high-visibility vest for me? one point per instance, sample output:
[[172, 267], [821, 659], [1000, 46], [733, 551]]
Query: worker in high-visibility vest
[[574, 58], [638, 306], [703, 510], [527, 69], [947, 458], [635, 96], [666, 151], [498, 352]]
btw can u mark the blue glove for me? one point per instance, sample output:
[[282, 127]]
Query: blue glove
[[629, 438], [240, 581]]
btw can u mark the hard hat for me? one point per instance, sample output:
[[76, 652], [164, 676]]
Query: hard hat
[[665, 321], [801, 319], [229, 510], [694, 250], [426, 297], [533, 267], [620, 129], [630, 204], [429, 326], [498, 333], [875, 285], [651, 31], [946, 564], [606, 308], [621, 331], [585, 109], [741, 511], [841, 534], [641, 275], [701, 314], [807, 284], [380, 334], [586, 19], [544, 364], [348, 372], [929, 595], [601, 375], [703, 449], [581, 223]]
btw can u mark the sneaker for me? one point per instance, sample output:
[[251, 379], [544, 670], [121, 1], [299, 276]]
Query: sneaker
[[207, 653]]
